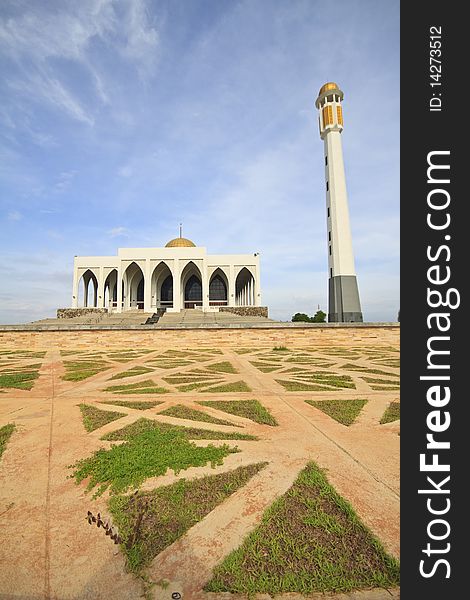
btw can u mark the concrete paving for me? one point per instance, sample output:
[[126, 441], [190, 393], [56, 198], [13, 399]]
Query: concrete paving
[[49, 551]]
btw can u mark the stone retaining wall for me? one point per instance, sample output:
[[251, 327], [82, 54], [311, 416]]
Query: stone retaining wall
[[70, 313], [255, 337], [246, 311]]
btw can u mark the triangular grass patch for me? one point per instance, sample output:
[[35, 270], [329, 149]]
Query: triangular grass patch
[[131, 372], [165, 514], [310, 540], [142, 425], [5, 434], [343, 411], [136, 404], [142, 387], [250, 409], [236, 386], [94, 418], [148, 454], [392, 413], [180, 411]]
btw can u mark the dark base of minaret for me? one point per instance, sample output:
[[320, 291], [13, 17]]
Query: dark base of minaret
[[344, 305]]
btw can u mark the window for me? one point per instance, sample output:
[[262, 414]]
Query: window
[[328, 211], [193, 289], [331, 272], [339, 113], [327, 116], [330, 250], [329, 236], [167, 289], [326, 161], [327, 186], [217, 289]]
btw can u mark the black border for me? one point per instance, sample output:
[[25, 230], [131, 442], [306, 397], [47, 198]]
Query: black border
[[423, 131]]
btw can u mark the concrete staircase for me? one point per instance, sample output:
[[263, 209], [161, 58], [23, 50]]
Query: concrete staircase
[[198, 318]]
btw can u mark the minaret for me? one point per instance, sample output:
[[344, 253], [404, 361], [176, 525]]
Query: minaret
[[343, 296]]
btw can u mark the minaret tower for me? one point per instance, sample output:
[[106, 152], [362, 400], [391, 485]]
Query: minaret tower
[[343, 296]]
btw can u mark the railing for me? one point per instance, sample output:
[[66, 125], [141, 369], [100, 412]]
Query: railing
[[218, 302]]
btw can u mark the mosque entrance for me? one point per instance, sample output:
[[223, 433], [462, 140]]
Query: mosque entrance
[[193, 292]]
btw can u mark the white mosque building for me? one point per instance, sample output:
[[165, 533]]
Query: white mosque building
[[179, 276]]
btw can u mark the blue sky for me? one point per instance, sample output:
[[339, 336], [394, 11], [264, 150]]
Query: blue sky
[[119, 119]]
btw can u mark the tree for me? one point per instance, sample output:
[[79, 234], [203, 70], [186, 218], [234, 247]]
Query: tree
[[301, 317], [319, 317]]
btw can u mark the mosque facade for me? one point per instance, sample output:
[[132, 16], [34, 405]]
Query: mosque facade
[[178, 276]]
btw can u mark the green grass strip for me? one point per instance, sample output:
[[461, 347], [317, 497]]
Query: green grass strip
[[310, 540], [131, 373], [148, 454], [392, 413], [142, 387], [20, 381], [150, 522], [180, 411], [137, 404], [5, 434], [222, 367], [237, 386], [250, 409], [191, 433], [343, 411], [94, 418]]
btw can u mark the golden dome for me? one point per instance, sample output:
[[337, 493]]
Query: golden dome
[[180, 242], [327, 87]]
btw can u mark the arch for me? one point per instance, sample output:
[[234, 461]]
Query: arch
[[89, 294], [218, 288], [162, 286], [245, 288], [134, 287], [110, 290], [191, 286]]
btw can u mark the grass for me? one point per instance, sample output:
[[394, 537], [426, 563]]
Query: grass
[[5, 434], [142, 387], [392, 413], [149, 522], [296, 386], [310, 540], [81, 369], [23, 380], [327, 378], [137, 404], [383, 388], [148, 454], [191, 433], [184, 412], [222, 367], [250, 409], [380, 381], [94, 418], [343, 411], [168, 364], [352, 367], [237, 386], [280, 349], [195, 386], [131, 372], [178, 379]]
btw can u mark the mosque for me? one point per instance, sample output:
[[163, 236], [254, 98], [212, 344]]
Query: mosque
[[181, 275]]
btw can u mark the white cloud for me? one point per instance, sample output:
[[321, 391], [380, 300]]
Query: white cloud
[[14, 215], [118, 232]]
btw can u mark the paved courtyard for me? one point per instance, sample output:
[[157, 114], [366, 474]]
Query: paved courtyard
[[48, 550]]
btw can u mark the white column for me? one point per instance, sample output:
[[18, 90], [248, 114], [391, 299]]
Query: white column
[[205, 286], [100, 294], [147, 287], [176, 285], [119, 289], [231, 286], [76, 281]]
